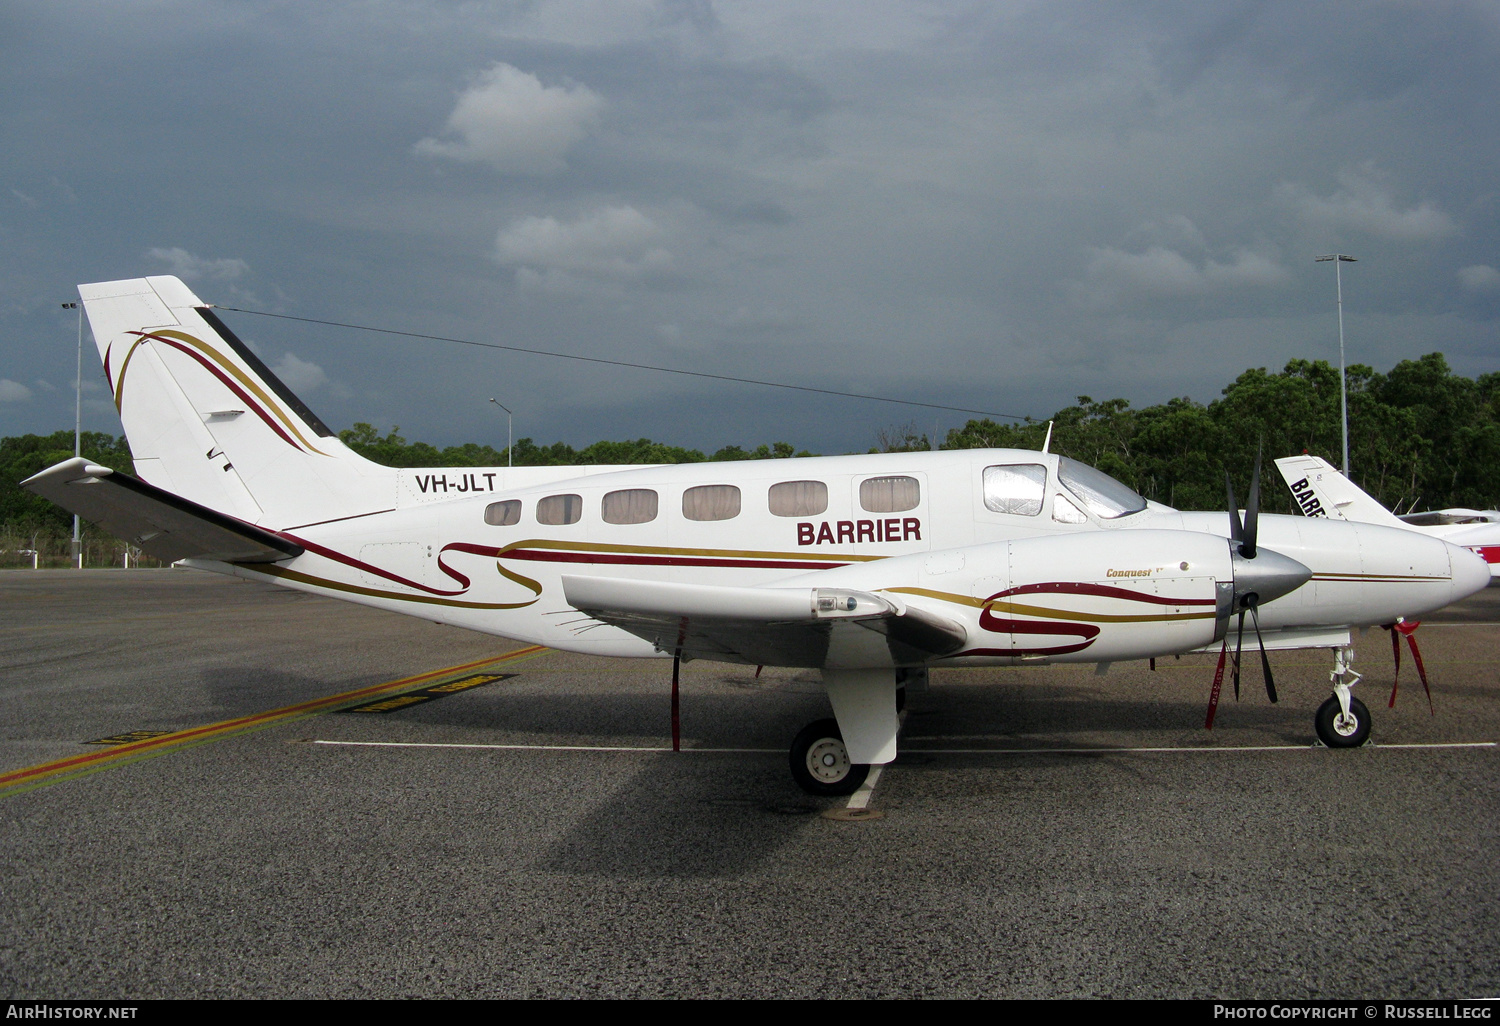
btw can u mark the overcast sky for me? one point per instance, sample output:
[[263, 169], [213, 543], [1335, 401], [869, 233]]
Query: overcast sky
[[989, 205]]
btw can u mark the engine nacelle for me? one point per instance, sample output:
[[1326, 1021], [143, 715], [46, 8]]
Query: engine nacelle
[[1087, 597]]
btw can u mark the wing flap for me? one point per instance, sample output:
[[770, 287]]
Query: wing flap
[[165, 525]]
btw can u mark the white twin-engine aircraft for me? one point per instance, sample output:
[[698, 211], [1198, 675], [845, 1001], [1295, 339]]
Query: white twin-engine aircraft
[[870, 569]]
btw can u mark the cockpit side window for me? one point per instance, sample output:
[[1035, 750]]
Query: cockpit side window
[[1104, 497], [1064, 512], [1017, 489]]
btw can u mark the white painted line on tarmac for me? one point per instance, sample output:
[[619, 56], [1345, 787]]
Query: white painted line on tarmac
[[541, 748], [861, 799], [1125, 751]]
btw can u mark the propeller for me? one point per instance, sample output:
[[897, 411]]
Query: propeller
[[1245, 536], [1260, 575]]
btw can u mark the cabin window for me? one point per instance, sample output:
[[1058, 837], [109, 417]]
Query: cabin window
[[711, 502], [556, 510], [629, 506], [798, 498], [1064, 512], [503, 514], [889, 494], [1017, 489]]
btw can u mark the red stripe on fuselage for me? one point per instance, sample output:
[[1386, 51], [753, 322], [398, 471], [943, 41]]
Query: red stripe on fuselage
[[1100, 590], [550, 556]]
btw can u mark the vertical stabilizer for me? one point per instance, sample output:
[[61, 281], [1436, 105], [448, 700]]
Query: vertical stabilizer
[[1321, 491], [207, 420]]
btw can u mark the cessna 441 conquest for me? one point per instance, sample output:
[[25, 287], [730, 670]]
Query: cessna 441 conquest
[[867, 568]]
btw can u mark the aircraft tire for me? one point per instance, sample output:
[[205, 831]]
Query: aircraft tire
[[820, 763], [1334, 732]]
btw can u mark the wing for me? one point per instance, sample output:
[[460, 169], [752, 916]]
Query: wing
[[167, 526], [811, 627]]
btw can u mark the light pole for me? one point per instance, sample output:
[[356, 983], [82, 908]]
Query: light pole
[[510, 457], [1338, 260], [78, 426]]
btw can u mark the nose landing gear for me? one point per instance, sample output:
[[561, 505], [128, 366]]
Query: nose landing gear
[[1343, 721]]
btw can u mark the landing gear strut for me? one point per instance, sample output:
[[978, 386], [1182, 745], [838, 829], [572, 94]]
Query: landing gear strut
[[1343, 721], [820, 763]]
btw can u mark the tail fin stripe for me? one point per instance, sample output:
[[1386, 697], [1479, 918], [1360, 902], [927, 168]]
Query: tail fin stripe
[[209, 359], [236, 389], [119, 386], [258, 366], [248, 382]]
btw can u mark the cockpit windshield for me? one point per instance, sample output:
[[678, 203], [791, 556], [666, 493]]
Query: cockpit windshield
[[1105, 497]]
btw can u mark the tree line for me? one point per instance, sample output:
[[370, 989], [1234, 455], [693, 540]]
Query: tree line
[[1420, 437]]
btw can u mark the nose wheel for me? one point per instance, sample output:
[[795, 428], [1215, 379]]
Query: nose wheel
[[820, 762], [1338, 729]]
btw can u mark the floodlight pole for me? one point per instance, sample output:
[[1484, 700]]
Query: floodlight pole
[[78, 425], [510, 456], [1339, 259]]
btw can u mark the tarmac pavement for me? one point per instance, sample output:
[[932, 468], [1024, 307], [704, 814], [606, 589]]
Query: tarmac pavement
[[258, 850]]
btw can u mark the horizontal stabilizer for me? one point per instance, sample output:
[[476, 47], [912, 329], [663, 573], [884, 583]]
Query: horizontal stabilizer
[[167, 526], [767, 626]]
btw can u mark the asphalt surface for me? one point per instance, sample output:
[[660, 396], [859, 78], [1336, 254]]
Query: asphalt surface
[[265, 863]]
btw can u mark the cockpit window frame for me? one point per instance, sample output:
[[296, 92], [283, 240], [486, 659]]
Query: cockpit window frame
[[1099, 494]]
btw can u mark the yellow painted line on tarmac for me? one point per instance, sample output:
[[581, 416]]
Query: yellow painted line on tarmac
[[18, 781]]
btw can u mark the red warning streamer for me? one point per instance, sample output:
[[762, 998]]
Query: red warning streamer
[[1408, 629], [1213, 697]]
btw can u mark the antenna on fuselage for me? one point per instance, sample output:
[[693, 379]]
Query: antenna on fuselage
[[1048, 440]]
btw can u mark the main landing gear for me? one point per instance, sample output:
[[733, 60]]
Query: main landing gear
[[820, 763], [1343, 721], [870, 705]]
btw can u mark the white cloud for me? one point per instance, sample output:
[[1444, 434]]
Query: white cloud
[[512, 122], [1479, 278], [13, 391], [1365, 203], [190, 268], [299, 375], [1166, 272], [615, 243]]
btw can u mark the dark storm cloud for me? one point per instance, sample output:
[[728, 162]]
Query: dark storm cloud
[[992, 205]]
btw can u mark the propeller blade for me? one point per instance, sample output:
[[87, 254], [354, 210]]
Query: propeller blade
[[1265, 663], [1252, 511], [1236, 532], [1239, 645]]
